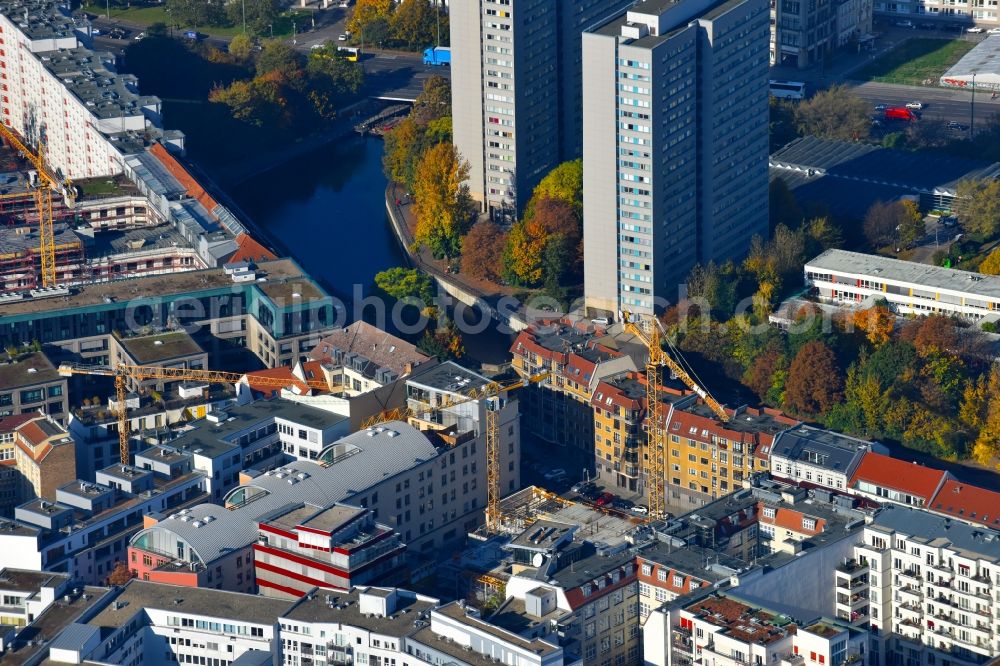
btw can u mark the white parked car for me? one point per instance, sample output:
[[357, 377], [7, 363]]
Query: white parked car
[[916, 106], [554, 474], [976, 30], [640, 509], [993, 31]]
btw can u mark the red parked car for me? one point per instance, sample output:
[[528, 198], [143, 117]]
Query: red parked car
[[899, 113], [605, 499]]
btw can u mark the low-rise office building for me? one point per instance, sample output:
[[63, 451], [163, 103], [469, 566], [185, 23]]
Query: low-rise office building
[[852, 278], [304, 546], [816, 458]]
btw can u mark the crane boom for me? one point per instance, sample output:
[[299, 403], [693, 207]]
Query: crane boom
[[124, 371]]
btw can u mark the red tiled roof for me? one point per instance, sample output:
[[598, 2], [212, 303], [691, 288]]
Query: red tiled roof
[[249, 249], [791, 520], [970, 503], [900, 475], [313, 370], [31, 432], [177, 170], [11, 423]]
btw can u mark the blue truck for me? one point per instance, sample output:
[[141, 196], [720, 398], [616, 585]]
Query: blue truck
[[437, 55]]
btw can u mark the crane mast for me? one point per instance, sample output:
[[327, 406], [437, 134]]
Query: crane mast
[[651, 338], [123, 372]]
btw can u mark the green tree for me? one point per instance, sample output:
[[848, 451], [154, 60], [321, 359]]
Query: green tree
[[433, 102], [822, 234], [369, 17], [277, 56], [891, 224], [911, 223], [339, 78], [197, 13], [834, 113], [564, 183], [259, 14], [782, 206], [977, 203], [403, 283], [443, 206], [416, 23], [241, 47], [444, 343]]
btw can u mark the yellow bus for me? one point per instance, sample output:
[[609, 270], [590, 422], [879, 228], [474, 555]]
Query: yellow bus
[[352, 53]]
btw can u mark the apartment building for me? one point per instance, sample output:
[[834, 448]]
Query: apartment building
[[44, 457], [668, 572], [930, 585], [362, 358], [84, 532], [675, 146], [427, 486], [816, 458], [725, 630], [259, 435], [559, 410], [516, 78], [884, 479], [29, 384], [620, 422], [154, 623], [853, 278], [709, 457], [941, 13], [339, 547], [170, 349], [804, 34], [976, 506]]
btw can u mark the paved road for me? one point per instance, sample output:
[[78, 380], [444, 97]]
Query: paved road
[[941, 103]]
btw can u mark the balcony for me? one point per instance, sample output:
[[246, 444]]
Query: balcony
[[912, 590], [852, 568], [910, 574], [853, 616], [854, 600]]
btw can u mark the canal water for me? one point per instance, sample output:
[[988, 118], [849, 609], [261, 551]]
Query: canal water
[[327, 210]]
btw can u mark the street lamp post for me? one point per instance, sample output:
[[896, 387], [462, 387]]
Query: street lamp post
[[294, 40], [243, 6], [972, 108]]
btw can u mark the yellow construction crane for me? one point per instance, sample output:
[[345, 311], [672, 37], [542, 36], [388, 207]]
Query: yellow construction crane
[[47, 182], [490, 392], [123, 372], [651, 338]]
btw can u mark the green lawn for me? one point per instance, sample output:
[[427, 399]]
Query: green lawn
[[149, 14], [916, 61]]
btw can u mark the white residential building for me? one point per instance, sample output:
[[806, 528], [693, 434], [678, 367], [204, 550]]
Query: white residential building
[[819, 458], [932, 585], [852, 278]]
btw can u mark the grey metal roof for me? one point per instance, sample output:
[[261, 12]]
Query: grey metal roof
[[253, 658], [373, 459], [152, 172], [74, 636], [842, 452], [983, 61], [885, 269], [814, 168], [941, 531]]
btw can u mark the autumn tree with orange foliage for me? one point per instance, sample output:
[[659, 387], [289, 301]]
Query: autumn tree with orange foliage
[[877, 323], [482, 251], [120, 575], [442, 203], [546, 246], [815, 381]]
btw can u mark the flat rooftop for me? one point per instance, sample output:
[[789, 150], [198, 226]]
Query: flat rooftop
[[983, 60], [280, 274], [211, 439], [139, 595], [152, 349], [28, 370], [51, 622], [449, 377], [743, 421], [940, 531], [344, 607], [925, 276], [541, 535], [24, 580], [456, 612], [742, 622], [820, 447]]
